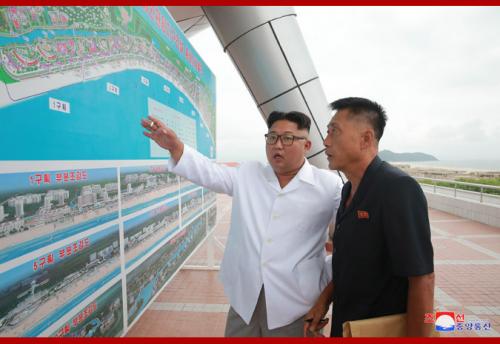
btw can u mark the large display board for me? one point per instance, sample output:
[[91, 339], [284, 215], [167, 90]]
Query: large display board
[[92, 225]]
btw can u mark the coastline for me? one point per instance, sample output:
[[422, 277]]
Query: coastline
[[451, 173]]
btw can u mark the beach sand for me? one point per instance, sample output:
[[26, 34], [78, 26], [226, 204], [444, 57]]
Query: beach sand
[[444, 173]]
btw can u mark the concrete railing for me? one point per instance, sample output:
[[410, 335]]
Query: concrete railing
[[481, 196], [478, 206]]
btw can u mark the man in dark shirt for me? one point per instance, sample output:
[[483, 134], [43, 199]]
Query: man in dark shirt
[[382, 258]]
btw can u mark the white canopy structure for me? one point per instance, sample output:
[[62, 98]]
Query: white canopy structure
[[267, 48]]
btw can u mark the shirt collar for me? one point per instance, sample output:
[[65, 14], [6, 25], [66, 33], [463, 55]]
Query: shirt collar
[[370, 173], [364, 185], [305, 174]]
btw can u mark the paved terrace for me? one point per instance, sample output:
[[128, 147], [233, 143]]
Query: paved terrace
[[467, 265]]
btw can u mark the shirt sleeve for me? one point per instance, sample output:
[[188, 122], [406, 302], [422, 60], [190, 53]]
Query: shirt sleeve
[[202, 171], [327, 273], [407, 229]]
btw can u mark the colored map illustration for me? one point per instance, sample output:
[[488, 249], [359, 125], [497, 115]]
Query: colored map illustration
[[80, 190], [88, 74]]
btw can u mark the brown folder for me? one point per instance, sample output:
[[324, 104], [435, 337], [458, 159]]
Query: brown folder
[[385, 326]]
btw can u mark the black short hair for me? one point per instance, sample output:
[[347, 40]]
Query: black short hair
[[372, 111], [302, 121]]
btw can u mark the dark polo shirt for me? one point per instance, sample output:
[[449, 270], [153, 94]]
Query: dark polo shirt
[[380, 239]]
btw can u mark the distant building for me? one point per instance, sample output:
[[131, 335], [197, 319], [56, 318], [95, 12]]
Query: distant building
[[48, 215], [105, 196], [96, 188], [106, 253], [151, 181], [171, 178], [143, 177], [86, 200], [2, 213], [111, 187], [90, 194], [12, 226], [19, 206], [32, 198], [60, 196], [18, 202], [131, 178], [86, 190], [47, 203]]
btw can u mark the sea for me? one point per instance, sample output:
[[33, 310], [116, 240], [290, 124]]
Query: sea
[[466, 165], [101, 125]]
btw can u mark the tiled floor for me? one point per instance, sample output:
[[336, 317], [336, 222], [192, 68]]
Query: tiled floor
[[467, 265]]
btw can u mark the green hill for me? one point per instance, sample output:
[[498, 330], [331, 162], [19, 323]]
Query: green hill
[[388, 155]]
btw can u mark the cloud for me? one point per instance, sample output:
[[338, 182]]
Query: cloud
[[435, 69], [462, 140]]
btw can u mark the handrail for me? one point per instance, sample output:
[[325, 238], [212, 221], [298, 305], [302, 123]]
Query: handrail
[[455, 182], [486, 186]]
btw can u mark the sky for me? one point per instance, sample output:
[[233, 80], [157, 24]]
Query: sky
[[436, 71]]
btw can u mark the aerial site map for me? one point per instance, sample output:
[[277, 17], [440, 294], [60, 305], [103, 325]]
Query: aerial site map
[[85, 198]]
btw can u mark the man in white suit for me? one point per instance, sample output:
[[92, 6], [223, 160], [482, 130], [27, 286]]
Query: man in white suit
[[274, 262]]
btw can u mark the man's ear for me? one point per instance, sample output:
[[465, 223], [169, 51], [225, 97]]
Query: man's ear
[[308, 145], [367, 139]]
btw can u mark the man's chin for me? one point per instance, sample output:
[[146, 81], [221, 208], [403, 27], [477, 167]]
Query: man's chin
[[277, 162], [278, 168]]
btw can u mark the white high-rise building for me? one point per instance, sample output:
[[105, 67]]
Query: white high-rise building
[[47, 203], [60, 196], [131, 178], [86, 190], [111, 187], [2, 213], [19, 206], [32, 198], [87, 200], [105, 196], [151, 181]]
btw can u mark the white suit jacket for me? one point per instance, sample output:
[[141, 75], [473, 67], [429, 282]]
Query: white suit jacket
[[277, 236]]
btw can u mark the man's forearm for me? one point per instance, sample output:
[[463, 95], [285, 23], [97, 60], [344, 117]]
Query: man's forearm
[[318, 311], [327, 294], [420, 301]]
